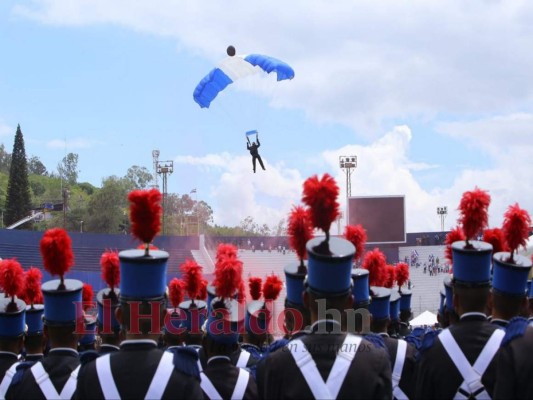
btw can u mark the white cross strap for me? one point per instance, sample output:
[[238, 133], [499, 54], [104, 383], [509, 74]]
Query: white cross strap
[[238, 392], [399, 362], [8, 377], [242, 362], [47, 387], [329, 389], [472, 374], [105, 377]]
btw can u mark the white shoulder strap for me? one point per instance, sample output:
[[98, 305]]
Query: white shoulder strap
[[43, 380], [471, 386], [199, 362], [105, 377], [399, 362], [243, 359], [241, 385], [161, 377], [8, 377], [329, 389], [70, 387], [208, 387]]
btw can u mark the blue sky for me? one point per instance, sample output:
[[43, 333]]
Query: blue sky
[[434, 98]]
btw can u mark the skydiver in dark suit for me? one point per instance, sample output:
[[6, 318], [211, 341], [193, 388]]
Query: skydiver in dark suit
[[252, 147]]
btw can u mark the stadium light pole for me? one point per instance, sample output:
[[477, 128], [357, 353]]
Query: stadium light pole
[[442, 212], [164, 168], [348, 164]]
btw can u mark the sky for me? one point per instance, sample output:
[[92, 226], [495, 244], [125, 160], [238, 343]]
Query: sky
[[434, 98]]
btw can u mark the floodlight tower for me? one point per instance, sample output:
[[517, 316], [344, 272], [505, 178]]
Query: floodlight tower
[[348, 164], [164, 168], [442, 212], [155, 157]]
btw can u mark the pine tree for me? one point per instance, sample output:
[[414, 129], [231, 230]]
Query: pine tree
[[18, 202]]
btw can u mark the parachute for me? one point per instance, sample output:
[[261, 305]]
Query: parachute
[[235, 67]]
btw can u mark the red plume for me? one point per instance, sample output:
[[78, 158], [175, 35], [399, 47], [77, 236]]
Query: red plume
[[474, 212], [203, 290], [32, 286], [110, 264], [375, 262], [176, 292], [496, 239], [516, 223], [254, 283], [321, 197], [300, 230], [56, 250], [192, 278], [390, 276], [11, 277], [402, 273], [228, 277], [145, 214], [225, 250], [87, 294], [272, 287], [455, 235], [357, 235]]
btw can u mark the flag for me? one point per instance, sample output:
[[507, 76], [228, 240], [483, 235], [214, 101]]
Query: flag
[[193, 191]]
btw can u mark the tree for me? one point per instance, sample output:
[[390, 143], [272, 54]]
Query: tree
[[139, 177], [5, 159], [36, 167], [249, 226], [68, 168], [107, 210], [18, 204], [280, 229]]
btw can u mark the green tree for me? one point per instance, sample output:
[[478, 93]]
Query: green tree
[[139, 177], [18, 204], [5, 160], [107, 209], [36, 167], [68, 168]]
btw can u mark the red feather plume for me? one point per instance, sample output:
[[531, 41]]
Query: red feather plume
[[228, 277], [203, 290], [300, 230], [32, 286], [255, 283], [110, 264], [145, 214], [11, 277], [496, 238], [176, 292], [192, 278], [150, 247], [357, 235], [272, 287], [87, 294], [321, 197], [455, 235], [375, 262], [225, 250], [56, 250], [402, 273], [474, 212], [516, 223], [390, 276]]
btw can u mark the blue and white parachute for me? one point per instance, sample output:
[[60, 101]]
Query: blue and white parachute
[[236, 67]]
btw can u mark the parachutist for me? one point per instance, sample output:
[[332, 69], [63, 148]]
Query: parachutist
[[231, 51], [252, 147]]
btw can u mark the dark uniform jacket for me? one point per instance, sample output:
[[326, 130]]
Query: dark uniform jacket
[[514, 368], [368, 377], [437, 376], [133, 368], [7, 359], [407, 380], [253, 148], [58, 363], [223, 375]]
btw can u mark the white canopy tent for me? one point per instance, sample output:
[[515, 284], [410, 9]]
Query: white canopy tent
[[427, 318]]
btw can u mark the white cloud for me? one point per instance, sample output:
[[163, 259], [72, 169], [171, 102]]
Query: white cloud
[[356, 63]]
